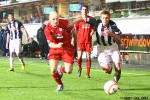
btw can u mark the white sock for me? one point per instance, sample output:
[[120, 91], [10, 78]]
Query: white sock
[[11, 61]]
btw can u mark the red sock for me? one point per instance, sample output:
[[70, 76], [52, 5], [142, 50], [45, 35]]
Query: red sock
[[79, 61], [62, 70], [88, 67], [57, 78]]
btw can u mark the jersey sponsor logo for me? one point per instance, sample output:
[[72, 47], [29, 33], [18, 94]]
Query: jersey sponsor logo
[[86, 26], [59, 36]]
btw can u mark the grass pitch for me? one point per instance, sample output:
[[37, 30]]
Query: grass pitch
[[36, 83]]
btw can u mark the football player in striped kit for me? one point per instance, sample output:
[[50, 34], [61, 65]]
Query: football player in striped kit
[[14, 36], [107, 35]]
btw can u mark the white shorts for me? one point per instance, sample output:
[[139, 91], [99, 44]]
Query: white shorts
[[15, 45], [107, 56]]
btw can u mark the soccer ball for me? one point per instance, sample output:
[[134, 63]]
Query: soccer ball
[[110, 87]]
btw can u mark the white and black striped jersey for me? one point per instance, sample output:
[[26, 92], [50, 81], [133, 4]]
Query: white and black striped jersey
[[14, 30], [105, 42], [101, 39]]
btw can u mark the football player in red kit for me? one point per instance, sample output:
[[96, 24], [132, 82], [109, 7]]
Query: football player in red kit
[[59, 39], [84, 41]]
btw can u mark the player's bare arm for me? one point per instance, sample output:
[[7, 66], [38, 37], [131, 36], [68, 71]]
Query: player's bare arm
[[115, 36], [74, 37], [26, 34], [92, 32], [71, 23]]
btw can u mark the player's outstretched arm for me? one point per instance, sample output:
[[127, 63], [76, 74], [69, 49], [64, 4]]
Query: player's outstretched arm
[[71, 23]]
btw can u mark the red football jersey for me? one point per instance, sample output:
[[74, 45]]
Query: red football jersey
[[59, 34], [84, 30]]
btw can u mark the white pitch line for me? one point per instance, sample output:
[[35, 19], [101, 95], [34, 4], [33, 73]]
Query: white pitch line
[[123, 73], [102, 71], [135, 74]]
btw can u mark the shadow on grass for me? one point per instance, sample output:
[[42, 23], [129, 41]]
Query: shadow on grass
[[11, 87], [90, 89], [140, 75], [33, 74], [134, 89]]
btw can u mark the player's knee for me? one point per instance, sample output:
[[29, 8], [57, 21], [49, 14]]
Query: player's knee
[[69, 71], [117, 68], [88, 58], [53, 71], [107, 71]]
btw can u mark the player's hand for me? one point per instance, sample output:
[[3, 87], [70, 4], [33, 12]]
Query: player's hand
[[70, 25], [6, 46], [27, 40], [60, 44], [72, 43], [107, 32], [92, 32]]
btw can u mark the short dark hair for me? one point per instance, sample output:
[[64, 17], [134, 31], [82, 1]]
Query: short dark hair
[[85, 6], [10, 13], [105, 12]]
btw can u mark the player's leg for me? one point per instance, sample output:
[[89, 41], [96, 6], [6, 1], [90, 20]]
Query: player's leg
[[20, 58], [18, 50], [79, 61], [68, 67], [79, 58], [68, 59], [105, 62], [123, 57], [46, 50], [42, 51], [88, 49], [128, 57], [53, 66], [88, 64], [11, 59], [117, 61], [75, 51]]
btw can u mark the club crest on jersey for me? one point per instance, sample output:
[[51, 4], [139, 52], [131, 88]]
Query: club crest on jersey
[[60, 29]]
